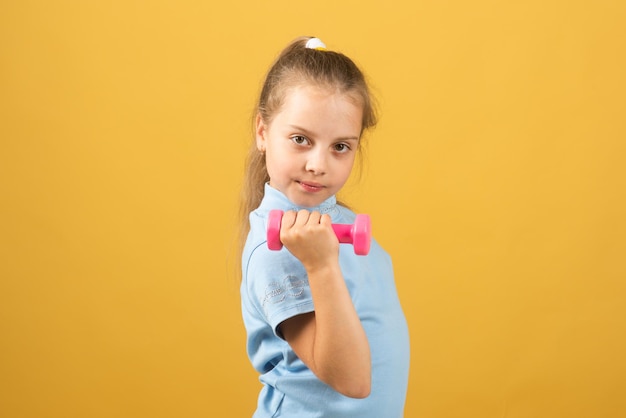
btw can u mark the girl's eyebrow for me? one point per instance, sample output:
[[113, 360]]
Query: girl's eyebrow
[[310, 134]]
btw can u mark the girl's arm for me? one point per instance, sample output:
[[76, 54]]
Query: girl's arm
[[330, 341]]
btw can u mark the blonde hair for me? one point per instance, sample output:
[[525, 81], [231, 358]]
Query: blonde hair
[[298, 65]]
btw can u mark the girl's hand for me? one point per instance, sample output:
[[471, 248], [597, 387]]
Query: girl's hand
[[309, 236]]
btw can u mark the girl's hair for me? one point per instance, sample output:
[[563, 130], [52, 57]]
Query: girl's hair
[[298, 65]]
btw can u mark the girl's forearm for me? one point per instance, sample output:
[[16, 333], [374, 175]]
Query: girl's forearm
[[340, 352]]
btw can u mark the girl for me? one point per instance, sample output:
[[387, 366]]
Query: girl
[[325, 327]]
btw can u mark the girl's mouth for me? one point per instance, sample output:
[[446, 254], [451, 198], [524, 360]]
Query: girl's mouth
[[311, 187]]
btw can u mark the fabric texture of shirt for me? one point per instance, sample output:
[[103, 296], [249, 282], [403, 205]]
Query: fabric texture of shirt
[[275, 287]]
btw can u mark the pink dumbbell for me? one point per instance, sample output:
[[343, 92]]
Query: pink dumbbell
[[358, 234]]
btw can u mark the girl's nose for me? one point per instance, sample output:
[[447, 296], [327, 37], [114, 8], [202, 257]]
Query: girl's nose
[[316, 163]]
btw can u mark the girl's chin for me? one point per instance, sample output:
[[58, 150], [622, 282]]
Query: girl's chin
[[303, 195]]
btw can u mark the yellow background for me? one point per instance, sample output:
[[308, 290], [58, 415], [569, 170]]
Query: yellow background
[[496, 179]]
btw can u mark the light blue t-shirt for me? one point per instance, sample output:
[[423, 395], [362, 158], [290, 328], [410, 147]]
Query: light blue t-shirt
[[275, 287]]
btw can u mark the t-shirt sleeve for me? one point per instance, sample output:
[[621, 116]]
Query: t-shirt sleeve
[[278, 286]]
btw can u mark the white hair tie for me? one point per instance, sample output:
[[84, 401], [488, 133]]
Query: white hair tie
[[315, 43]]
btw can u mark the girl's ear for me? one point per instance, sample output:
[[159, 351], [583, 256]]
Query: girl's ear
[[260, 132]]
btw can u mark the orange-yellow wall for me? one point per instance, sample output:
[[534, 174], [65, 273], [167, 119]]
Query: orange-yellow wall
[[496, 180]]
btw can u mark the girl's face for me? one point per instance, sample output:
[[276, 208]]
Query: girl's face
[[311, 143]]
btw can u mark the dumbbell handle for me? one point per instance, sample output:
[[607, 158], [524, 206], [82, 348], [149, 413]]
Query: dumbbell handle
[[357, 234], [344, 233]]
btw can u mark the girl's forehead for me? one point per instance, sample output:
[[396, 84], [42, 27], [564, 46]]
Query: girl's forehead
[[321, 112], [306, 99], [316, 91]]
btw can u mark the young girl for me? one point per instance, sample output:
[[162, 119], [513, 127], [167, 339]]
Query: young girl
[[325, 327]]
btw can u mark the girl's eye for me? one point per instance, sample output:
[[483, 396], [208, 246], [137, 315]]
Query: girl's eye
[[341, 147], [299, 140]]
